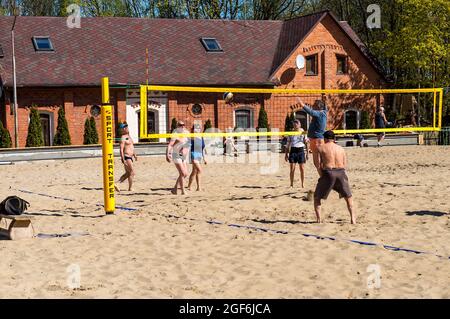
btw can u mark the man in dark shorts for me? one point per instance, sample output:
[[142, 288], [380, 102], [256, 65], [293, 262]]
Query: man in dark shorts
[[297, 152], [332, 163], [380, 122]]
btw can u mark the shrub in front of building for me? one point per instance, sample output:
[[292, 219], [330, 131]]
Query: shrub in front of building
[[263, 121], [35, 138], [5, 137], [87, 132], [90, 132], [208, 125], [365, 120], [173, 125], [94, 132], [62, 136], [289, 122]]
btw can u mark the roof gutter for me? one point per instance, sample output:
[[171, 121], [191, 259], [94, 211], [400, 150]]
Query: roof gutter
[[134, 86]]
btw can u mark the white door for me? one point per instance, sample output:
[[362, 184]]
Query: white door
[[156, 117]]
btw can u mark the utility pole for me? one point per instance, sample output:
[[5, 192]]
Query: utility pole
[[16, 129]]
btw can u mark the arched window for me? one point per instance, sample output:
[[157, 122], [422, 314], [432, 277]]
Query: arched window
[[243, 118], [351, 120], [302, 116], [47, 127], [152, 121]]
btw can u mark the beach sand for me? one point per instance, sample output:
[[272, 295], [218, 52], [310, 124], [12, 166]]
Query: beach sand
[[166, 249]]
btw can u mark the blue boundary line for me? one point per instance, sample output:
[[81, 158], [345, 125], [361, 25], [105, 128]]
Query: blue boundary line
[[212, 222]]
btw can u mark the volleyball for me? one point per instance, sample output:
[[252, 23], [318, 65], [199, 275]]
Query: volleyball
[[228, 96]]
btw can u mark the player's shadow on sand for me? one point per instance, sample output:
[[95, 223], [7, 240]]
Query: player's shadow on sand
[[92, 188], [255, 187], [270, 196], [400, 185], [139, 194], [425, 213], [54, 213], [239, 198], [293, 222]]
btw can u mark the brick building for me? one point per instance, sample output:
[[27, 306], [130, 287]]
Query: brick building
[[62, 66]]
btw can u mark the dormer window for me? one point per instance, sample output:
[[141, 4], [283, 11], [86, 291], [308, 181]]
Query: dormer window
[[43, 44], [211, 45]]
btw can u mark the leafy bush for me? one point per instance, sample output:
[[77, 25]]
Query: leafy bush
[[90, 132], [263, 121], [35, 138], [5, 137], [94, 133], [208, 125], [365, 120], [289, 122], [62, 136], [174, 124]]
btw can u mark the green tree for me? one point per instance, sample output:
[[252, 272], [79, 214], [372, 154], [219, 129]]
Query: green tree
[[62, 136], [263, 122], [37, 7], [170, 8], [277, 9], [208, 125], [87, 136], [289, 122], [174, 125], [94, 132], [90, 131], [35, 138], [365, 120], [416, 47], [5, 137]]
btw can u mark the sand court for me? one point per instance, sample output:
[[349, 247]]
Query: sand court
[[160, 245]]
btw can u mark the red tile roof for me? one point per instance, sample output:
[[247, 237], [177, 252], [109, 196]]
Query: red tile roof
[[116, 47], [360, 44], [292, 34]]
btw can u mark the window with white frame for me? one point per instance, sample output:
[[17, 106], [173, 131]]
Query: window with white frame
[[243, 118], [302, 116]]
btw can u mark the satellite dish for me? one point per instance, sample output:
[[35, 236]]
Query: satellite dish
[[300, 61]]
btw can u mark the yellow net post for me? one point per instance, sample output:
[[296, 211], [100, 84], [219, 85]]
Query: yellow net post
[[441, 99], [143, 112], [434, 109], [107, 149]]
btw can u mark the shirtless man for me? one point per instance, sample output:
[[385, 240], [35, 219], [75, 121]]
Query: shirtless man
[[127, 154], [332, 163], [177, 152]]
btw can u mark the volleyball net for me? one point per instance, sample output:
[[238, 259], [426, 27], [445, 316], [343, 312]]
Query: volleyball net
[[237, 113], [349, 111]]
